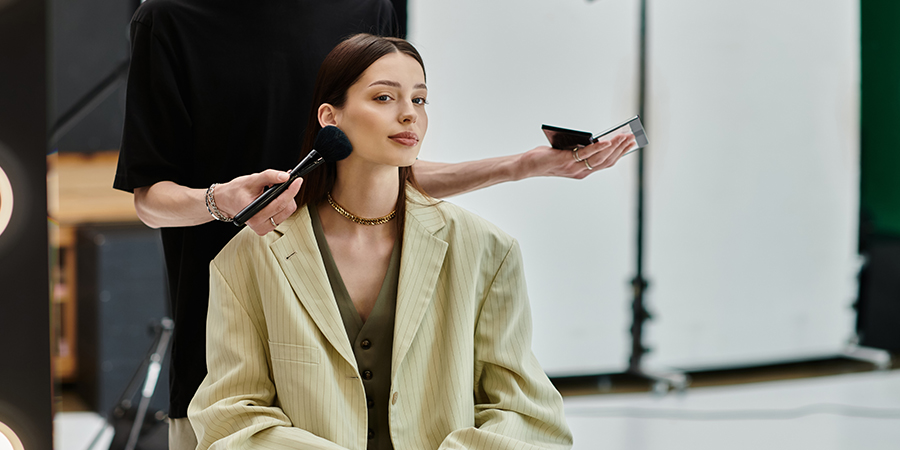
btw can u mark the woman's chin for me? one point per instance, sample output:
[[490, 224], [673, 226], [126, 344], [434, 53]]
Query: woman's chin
[[408, 161], [407, 157]]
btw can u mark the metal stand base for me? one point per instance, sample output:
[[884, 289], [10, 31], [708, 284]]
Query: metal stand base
[[664, 380], [881, 359]]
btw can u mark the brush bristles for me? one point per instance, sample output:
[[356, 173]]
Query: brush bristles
[[333, 144]]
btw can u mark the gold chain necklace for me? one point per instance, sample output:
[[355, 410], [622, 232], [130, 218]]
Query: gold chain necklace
[[360, 220]]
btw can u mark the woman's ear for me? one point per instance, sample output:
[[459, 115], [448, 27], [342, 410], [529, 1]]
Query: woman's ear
[[328, 115]]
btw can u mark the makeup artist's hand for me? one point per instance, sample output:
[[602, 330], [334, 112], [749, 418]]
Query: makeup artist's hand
[[233, 196], [546, 161]]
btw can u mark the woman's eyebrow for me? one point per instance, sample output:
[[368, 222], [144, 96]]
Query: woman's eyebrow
[[386, 83], [396, 84]]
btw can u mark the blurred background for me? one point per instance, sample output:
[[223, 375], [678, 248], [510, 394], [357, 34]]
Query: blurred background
[[735, 283]]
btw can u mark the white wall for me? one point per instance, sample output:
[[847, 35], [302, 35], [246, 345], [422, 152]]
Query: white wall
[[496, 71]]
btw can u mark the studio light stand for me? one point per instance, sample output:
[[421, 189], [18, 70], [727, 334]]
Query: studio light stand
[[662, 380], [129, 422]]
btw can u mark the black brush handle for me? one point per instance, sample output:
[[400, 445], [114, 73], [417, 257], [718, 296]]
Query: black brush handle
[[309, 163]]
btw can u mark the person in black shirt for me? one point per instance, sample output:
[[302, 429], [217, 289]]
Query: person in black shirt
[[219, 90]]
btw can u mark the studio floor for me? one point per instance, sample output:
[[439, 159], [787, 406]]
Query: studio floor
[[827, 407], [838, 412]]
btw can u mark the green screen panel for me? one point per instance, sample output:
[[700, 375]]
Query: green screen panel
[[880, 110]]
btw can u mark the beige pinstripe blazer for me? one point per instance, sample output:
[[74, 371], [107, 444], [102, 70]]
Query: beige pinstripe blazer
[[282, 374]]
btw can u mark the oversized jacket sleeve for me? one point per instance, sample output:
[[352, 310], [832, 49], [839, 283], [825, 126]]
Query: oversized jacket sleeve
[[516, 406], [235, 406]]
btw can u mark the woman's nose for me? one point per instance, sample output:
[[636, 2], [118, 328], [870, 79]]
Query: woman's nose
[[409, 114]]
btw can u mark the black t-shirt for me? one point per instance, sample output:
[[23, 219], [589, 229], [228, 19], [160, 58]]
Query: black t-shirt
[[219, 89]]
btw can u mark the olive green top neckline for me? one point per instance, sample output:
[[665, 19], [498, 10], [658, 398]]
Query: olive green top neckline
[[372, 340]]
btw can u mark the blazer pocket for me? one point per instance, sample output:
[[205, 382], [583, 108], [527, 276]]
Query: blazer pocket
[[294, 353]]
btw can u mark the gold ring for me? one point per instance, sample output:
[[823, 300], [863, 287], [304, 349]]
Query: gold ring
[[272, 221], [575, 154], [586, 163]]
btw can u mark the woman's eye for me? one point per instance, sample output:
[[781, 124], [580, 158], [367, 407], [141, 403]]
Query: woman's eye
[[420, 101], [383, 98]]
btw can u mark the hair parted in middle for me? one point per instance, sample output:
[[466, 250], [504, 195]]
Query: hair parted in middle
[[343, 66]]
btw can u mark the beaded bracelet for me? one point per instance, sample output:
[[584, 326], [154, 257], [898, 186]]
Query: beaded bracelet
[[211, 206]]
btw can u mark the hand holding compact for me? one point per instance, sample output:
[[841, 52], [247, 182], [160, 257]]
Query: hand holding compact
[[545, 161]]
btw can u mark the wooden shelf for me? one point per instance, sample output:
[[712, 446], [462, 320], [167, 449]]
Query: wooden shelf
[[65, 315], [79, 191]]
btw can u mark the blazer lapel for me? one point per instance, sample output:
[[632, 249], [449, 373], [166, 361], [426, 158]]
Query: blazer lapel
[[299, 257], [420, 265]]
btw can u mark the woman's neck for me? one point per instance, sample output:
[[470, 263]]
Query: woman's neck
[[366, 192]]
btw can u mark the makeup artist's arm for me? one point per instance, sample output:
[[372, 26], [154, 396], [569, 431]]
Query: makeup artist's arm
[[448, 179], [167, 204]]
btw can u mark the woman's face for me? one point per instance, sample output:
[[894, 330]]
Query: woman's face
[[384, 115]]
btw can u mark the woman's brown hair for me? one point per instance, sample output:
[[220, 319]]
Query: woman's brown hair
[[341, 68]]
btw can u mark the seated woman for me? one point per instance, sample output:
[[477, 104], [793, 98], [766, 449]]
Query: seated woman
[[374, 317]]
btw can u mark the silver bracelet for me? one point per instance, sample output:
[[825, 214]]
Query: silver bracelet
[[211, 206]]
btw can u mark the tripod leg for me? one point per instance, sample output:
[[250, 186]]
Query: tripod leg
[[150, 384], [103, 429], [138, 423]]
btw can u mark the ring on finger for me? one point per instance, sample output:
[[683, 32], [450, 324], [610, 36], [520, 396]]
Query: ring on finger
[[586, 163], [272, 221], [575, 154]]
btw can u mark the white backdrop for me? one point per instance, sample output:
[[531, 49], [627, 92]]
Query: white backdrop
[[496, 71], [753, 179], [752, 168]]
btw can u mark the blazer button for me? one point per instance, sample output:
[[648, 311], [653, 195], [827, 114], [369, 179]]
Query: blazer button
[[394, 398], [365, 344], [371, 434], [369, 403], [367, 375]]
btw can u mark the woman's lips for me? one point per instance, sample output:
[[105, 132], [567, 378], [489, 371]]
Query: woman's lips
[[406, 138]]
